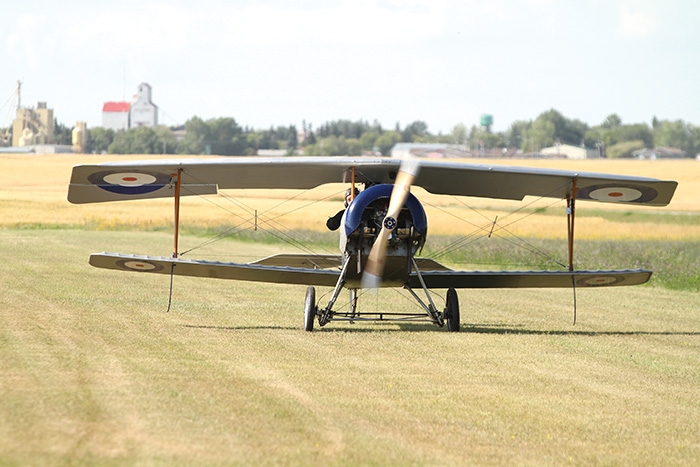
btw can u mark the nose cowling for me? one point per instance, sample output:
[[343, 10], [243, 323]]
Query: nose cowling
[[354, 214]]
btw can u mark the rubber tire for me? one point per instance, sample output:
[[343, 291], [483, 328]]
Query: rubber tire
[[452, 310], [310, 309]]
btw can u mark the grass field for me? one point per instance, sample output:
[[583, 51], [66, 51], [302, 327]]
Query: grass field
[[93, 371]]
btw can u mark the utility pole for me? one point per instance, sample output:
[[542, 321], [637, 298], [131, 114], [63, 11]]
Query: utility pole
[[19, 94]]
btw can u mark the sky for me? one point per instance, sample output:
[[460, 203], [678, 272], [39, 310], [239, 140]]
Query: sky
[[270, 63]]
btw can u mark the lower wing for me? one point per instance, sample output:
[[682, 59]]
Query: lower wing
[[534, 279], [289, 269], [215, 269]]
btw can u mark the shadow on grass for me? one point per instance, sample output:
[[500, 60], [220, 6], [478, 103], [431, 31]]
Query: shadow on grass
[[342, 327], [466, 329], [495, 329]]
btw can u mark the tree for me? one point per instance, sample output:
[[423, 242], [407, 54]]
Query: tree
[[677, 134], [612, 121], [141, 140], [539, 135], [417, 129], [368, 140], [551, 125], [223, 137], [196, 135], [671, 134], [166, 139], [624, 149], [459, 133], [99, 140], [386, 141], [292, 139], [514, 136], [62, 134]]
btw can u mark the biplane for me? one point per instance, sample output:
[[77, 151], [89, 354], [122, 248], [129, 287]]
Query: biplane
[[382, 231]]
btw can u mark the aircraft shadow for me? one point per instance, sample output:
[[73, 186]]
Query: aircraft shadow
[[466, 329], [491, 329]]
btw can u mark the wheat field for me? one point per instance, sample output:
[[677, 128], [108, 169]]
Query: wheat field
[[33, 191]]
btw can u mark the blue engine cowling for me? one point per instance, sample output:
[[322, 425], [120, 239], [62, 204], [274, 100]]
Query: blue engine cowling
[[367, 211], [354, 213]]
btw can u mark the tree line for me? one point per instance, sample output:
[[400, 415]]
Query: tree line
[[224, 136]]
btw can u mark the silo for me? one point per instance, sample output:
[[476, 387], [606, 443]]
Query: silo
[[79, 137]]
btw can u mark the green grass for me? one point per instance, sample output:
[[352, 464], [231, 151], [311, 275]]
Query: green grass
[[676, 264], [93, 371]]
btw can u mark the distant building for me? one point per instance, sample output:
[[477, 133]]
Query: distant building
[[124, 115], [143, 111], [659, 153], [115, 115], [33, 126], [572, 152]]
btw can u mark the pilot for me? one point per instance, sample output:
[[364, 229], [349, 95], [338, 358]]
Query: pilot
[[333, 223]]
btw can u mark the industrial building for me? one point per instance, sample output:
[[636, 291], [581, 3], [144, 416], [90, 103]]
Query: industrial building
[[33, 126], [124, 115]]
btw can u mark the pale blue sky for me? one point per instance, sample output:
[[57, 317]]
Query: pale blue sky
[[280, 62]]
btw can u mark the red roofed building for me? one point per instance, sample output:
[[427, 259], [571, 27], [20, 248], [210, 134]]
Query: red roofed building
[[124, 115], [115, 115]]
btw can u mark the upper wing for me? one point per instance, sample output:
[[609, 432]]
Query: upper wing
[[154, 179]]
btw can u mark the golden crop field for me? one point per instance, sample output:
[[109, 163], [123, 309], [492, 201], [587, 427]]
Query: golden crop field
[[33, 191]]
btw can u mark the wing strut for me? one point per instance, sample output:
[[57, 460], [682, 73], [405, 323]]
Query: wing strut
[[570, 217], [178, 185], [352, 183], [176, 234]]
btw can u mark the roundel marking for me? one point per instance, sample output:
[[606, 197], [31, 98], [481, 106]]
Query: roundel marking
[[129, 179], [615, 194], [598, 281], [139, 265], [389, 223], [618, 193], [129, 183]]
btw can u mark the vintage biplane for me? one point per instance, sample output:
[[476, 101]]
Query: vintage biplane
[[381, 231]]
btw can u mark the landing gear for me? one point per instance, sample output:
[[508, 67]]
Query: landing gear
[[452, 310], [310, 309]]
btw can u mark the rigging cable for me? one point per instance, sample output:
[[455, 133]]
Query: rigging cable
[[270, 222], [493, 228]]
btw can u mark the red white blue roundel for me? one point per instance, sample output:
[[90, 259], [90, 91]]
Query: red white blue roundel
[[618, 193], [129, 183], [139, 265]]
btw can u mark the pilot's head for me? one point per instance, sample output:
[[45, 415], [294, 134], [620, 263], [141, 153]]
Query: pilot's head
[[349, 198]]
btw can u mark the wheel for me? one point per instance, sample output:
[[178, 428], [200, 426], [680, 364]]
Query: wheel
[[452, 310], [309, 309]]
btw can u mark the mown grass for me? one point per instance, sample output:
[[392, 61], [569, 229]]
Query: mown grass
[[95, 372]]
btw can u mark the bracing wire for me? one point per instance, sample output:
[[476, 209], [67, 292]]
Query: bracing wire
[[274, 228], [494, 228]]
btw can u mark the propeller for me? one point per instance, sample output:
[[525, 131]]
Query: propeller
[[372, 276]]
